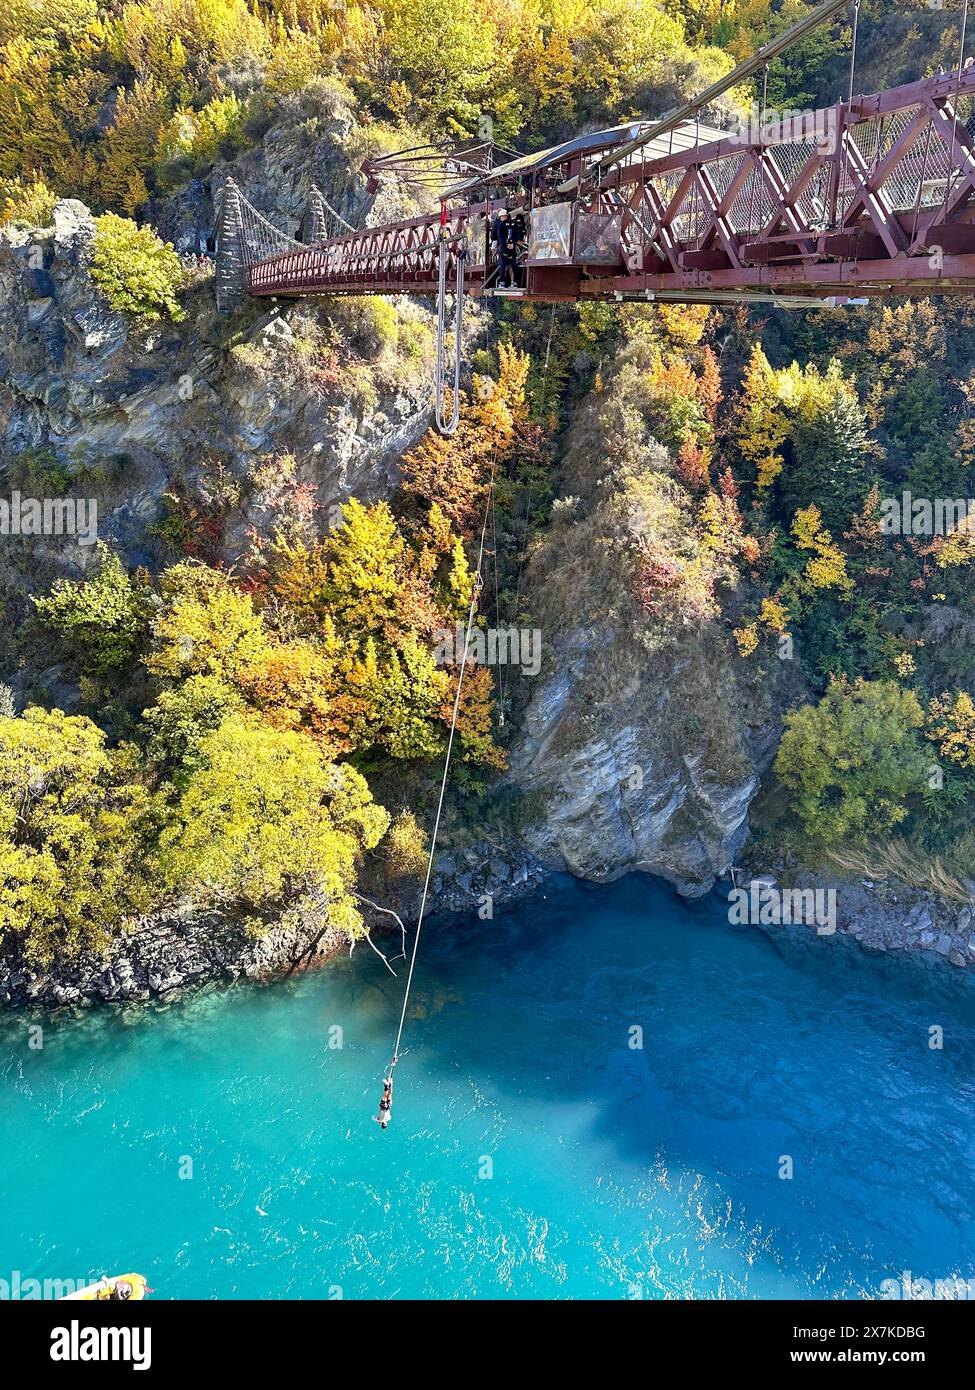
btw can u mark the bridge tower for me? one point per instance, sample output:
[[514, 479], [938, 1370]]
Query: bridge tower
[[231, 268]]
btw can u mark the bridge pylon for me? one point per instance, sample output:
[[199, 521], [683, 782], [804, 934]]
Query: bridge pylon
[[316, 222], [231, 267]]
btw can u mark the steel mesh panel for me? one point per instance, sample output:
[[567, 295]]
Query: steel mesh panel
[[753, 207], [723, 172], [791, 160], [666, 185]]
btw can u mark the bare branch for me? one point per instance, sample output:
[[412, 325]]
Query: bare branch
[[390, 913]]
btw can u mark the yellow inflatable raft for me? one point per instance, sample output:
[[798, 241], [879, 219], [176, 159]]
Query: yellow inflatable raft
[[111, 1289]]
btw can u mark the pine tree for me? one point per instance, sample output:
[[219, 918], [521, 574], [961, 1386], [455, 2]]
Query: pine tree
[[830, 453]]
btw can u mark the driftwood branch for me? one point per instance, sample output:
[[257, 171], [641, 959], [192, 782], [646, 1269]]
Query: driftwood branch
[[390, 913]]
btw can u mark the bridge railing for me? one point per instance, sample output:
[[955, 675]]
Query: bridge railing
[[885, 175]]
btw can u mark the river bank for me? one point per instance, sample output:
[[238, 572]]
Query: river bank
[[186, 948]]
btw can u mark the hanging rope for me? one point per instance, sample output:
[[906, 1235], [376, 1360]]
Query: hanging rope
[[448, 427], [475, 594], [853, 50]]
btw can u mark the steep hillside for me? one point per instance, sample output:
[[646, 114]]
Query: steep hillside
[[222, 725]]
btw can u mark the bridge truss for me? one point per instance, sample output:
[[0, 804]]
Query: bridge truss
[[872, 196]]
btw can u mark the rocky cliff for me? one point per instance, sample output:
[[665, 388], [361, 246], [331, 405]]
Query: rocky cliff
[[644, 740], [235, 418]]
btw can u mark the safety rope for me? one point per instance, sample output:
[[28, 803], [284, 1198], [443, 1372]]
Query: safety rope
[[853, 50], [449, 427], [475, 594]]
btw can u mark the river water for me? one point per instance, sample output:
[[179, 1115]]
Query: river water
[[224, 1148]]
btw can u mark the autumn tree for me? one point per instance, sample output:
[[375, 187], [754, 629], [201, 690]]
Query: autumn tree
[[137, 272], [761, 424], [203, 626], [826, 566], [453, 472], [75, 826], [267, 819], [852, 761]]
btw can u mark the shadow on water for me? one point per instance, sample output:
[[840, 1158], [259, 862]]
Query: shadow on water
[[757, 1045]]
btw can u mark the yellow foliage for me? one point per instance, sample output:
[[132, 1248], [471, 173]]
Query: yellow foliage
[[762, 424], [205, 626], [684, 323], [774, 615], [951, 723], [957, 547], [826, 568], [747, 638]]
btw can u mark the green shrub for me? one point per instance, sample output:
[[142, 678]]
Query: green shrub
[[852, 761], [137, 272], [103, 619], [41, 471]]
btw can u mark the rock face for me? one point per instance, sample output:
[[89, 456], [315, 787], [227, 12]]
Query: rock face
[[645, 735], [608, 747], [133, 414], [165, 955], [888, 916], [81, 380], [309, 139]]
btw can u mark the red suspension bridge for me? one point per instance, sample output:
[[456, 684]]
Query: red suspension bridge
[[873, 196]]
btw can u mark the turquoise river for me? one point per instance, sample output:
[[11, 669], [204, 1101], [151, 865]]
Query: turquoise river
[[224, 1146]]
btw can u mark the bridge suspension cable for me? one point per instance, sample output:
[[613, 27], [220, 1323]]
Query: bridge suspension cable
[[963, 29], [246, 238]]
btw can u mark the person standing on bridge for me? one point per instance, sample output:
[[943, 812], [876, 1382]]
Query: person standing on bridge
[[519, 243], [503, 238]]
